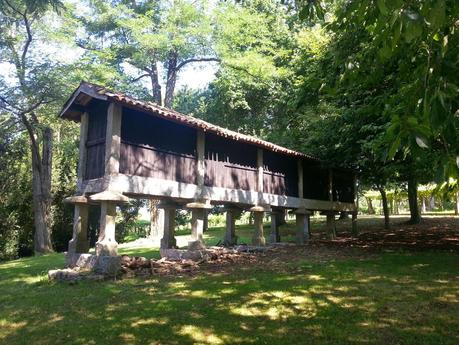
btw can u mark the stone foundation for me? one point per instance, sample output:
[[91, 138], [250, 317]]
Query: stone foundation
[[105, 265]]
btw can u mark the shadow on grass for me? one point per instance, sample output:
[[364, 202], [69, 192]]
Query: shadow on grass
[[396, 298]]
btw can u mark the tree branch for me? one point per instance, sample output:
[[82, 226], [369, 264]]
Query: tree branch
[[204, 59], [140, 77]]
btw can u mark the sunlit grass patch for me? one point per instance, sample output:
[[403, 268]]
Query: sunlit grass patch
[[389, 298]]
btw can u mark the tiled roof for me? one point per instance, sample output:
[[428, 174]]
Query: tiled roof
[[100, 92]]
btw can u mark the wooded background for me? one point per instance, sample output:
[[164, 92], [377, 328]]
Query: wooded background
[[368, 85]]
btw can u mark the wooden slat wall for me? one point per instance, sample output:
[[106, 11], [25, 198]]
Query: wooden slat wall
[[280, 174], [95, 144], [154, 147], [230, 164], [315, 181], [149, 162]]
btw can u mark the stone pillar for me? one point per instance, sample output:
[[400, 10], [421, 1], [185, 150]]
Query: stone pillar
[[197, 229], [258, 238], [82, 150], [274, 236], [260, 170], [198, 211], [206, 220], [79, 242], [168, 241], [106, 244], [230, 235], [302, 225], [331, 226], [156, 220], [200, 163], [300, 178], [355, 229], [113, 139]]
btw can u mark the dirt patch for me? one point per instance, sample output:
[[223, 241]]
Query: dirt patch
[[226, 261], [440, 233]]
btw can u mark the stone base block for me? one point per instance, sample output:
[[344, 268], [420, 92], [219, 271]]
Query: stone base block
[[73, 275], [196, 245], [106, 265], [181, 254]]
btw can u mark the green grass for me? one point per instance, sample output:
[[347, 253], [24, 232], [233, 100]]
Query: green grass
[[387, 298]]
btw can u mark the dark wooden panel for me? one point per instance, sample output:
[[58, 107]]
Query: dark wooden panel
[[154, 147], [343, 186], [97, 121], [149, 162], [315, 181], [280, 174], [95, 161], [95, 144], [153, 132], [230, 164]]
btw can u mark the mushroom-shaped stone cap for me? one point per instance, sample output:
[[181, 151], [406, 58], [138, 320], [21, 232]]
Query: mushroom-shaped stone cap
[[260, 208], [302, 210], [197, 204], [76, 199], [109, 195]]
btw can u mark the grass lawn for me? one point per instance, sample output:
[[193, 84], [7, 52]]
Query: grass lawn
[[390, 297]]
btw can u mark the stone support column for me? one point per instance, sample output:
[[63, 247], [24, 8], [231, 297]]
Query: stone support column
[[300, 178], [106, 244], [113, 139], [302, 225], [200, 162], [232, 213], [82, 150], [260, 170], [206, 220], [198, 211], [331, 226], [168, 241], [79, 242], [355, 229], [258, 238], [274, 236]]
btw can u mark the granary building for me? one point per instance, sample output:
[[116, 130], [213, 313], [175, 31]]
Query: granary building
[[134, 149]]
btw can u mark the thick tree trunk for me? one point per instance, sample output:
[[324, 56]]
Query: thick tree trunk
[[371, 210], [415, 216], [385, 208], [155, 85], [41, 189], [156, 219], [171, 79]]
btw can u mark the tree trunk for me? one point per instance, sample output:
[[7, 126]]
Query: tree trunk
[[385, 207], [155, 85], [171, 79], [371, 210], [41, 189], [280, 218], [432, 203], [456, 203], [424, 208], [156, 219], [415, 217]]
